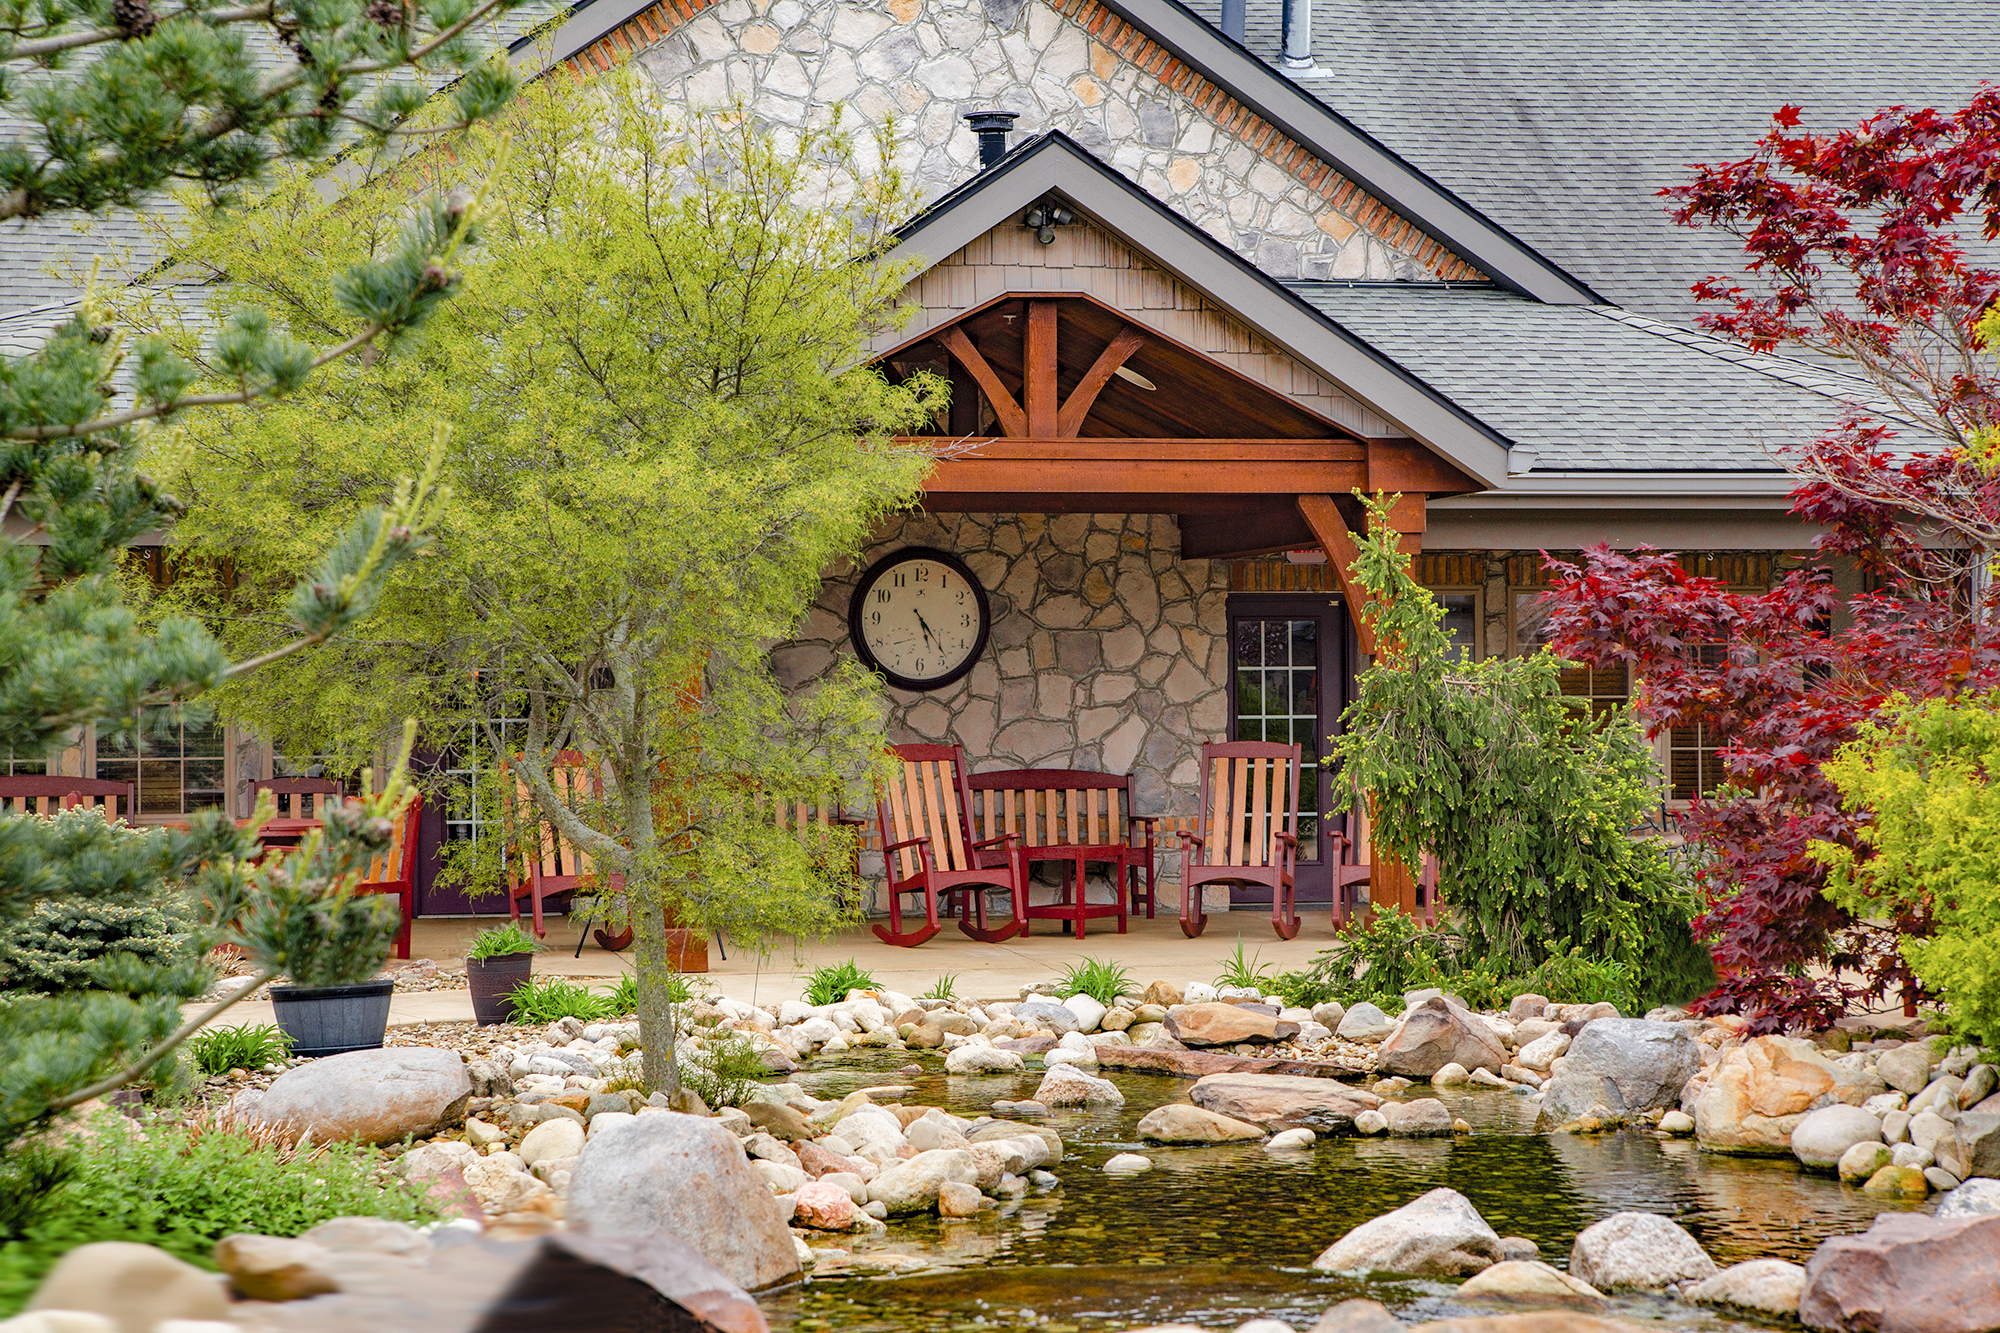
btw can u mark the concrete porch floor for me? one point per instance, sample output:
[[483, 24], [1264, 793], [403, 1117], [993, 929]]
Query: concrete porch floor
[[1151, 950]]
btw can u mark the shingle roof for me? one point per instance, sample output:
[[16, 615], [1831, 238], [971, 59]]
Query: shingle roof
[[1561, 120], [1592, 388]]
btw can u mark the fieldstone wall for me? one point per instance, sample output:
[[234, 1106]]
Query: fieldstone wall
[[1107, 652], [918, 65]]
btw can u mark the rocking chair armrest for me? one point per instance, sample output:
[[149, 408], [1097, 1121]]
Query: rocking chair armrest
[[1195, 838], [907, 842], [1148, 820], [994, 842], [1290, 840]]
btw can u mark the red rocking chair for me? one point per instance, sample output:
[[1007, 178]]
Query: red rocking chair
[[1246, 833], [542, 864], [927, 849]]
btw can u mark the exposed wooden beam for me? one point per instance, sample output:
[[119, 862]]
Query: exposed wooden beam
[[1323, 517], [1250, 451], [1084, 396], [1012, 419], [1408, 517], [1404, 465], [1038, 382]]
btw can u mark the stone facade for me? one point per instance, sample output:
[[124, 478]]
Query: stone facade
[[918, 65]]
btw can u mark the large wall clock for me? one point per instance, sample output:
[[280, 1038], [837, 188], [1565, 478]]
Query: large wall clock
[[919, 617]]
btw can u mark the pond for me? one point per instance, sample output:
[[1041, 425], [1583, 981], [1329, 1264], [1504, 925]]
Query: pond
[[1217, 1235]]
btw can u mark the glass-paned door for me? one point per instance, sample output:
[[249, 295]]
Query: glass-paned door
[[1288, 656]]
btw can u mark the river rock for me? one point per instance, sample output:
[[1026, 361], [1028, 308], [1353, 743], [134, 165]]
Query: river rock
[[377, 1096], [1526, 1006], [1822, 1136], [970, 1059], [993, 1131], [1979, 1143], [1970, 1199], [1292, 1140], [1066, 1085], [370, 1235], [957, 1199], [1757, 1093], [274, 1268], [1046, 1013], [686, 1176], [1371, 1123], [1627, 1065], [551, 1139], [1770, 1286], [1127, 1164], [1089, 1011], [1641, 1251], [1439, 1234], [912, 1186], [1365, 1022], [1928, 1129], [1863, 1160], [1435, 1034], [1980, 1083], [1907, 1181], [134, 1286], [1358, 1317], [1178, 1122], [1426, 1117], [1907, 1274], [1329, 1014], [1225, 1025], [1283, 1101], [1907, 1068], [1530, 1281], [1540, 1053]]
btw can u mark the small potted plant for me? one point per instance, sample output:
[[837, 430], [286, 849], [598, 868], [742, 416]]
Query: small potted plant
[[335, 1001], [500, 959]]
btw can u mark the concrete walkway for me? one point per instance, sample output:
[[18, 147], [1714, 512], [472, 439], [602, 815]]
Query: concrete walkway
[[1152, 950]]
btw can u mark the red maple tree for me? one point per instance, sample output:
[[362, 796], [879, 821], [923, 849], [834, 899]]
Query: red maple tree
[[1855, 251]]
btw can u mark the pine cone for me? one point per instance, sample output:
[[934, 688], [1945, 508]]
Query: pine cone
[[387, 13], [134, 18]]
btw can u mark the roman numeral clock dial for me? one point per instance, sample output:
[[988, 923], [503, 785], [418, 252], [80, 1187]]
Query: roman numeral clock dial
[[919, 617]]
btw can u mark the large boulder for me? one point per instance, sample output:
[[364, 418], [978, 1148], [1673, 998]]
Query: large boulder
[[1971, 1199], [1979, 1143], [1438, 1235], [1284, 1101], [1757, 1093], [1178, 1122], [379, 1096], [1637, 1251], [1435, 1034], [1907, 1274], [685, 1176], [1626, 1065], [134, 1286], [1219, 1024], [1769, 1286], [912, 1186], [1822, 1136]]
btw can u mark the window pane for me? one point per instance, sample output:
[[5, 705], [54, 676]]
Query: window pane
[[1249, 643], [1308, 835], [1461, 619], [1530, 620], [1272, 633], [203, 742], [1249, 694], [1305, 643], [159, 787]]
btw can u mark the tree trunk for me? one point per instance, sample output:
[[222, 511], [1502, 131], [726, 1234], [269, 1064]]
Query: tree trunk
[[658, 1032]]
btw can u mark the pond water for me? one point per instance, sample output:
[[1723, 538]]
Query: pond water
[[1217, 1235]]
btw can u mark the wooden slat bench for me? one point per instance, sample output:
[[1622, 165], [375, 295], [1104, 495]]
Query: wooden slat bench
[[1074, 816]]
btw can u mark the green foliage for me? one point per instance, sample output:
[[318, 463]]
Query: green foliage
[[183, 1188], [1924, 774], [665, 427], [1529, 805], [545, 999], [495, 941], [625, 995], [830, 984], [944, 988], [219, 1050], [60, 945], [1239, 970], [722, 1069], [1101, 980]]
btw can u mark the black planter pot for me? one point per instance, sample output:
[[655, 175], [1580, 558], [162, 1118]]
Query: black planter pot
[[326, 1020], [492, 980]]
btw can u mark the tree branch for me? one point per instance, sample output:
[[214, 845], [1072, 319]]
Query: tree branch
[[160, 1052]]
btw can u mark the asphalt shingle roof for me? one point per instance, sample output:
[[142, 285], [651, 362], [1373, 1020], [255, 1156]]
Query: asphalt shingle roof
[[1593, 388]]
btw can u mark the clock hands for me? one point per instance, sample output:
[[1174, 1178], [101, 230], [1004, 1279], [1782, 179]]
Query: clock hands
[[927, 631]]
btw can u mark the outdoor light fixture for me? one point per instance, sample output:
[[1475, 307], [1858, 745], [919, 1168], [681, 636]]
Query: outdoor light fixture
[[1045, 218]]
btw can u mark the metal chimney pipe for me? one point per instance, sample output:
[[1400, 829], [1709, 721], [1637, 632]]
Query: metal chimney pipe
[[992, 127], [1234, 16], [1298, 34]]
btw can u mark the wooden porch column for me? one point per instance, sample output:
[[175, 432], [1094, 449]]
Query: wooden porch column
[[1330, 529], [1038, 385]]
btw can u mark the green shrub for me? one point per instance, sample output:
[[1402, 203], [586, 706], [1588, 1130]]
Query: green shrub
[[1101, 980], [496, 941], [183, 1188], [61, 945], [944, 988], [1241, 971], [219, 1050], [830, 984], [545, 999], [723, 1069]]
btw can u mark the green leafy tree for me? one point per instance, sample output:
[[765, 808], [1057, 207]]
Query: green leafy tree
[[1528, 805], [663, 432], [1922, 776]]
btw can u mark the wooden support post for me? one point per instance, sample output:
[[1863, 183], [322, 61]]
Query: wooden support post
[[1330, 529], [1070, 421], [1012, 420], [1039, 370]]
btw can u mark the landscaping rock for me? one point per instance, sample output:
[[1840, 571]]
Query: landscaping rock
[[550, 1139], [1542, 1052], [956, 1199], [378, 1096], [1291, 1140], [912, 1186], [1863, 1160], [1757, 1093], [1980, 1083], [1089, 1011], [1426, 1117], [1769, 1286], [1637, 1251], [1907, 1274], [1066, 1085], [370, 1235], [969, 1059], [1225, 1025], [82, 1321], [1330, 1015], [1908, 1181], [823, 1206], [1979, 1143], [501, 1186], [1438, 1235], [1127, 1164], [1435, 1034], [1971, 1199], [1178, 1122], [1530, 1281], [1907, 1068], [1163, 993], [1627, 1065], [683, 1175], [1047, 1013], [134, 1286], [1822, 1136], [273, 1268], [1526, 1006], [1282, 1101], [779, 1120], [1365, 1023]]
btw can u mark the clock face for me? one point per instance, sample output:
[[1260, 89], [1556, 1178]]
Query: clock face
[[919, 617]]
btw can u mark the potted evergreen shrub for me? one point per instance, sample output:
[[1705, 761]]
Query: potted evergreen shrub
[[334, 1001], [500, 959]]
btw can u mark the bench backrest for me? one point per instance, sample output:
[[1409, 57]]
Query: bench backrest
[[1052, 807], [301, 798], [1249, 794], [37, 794], [538, 849], [927, 798], [398, 864]]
